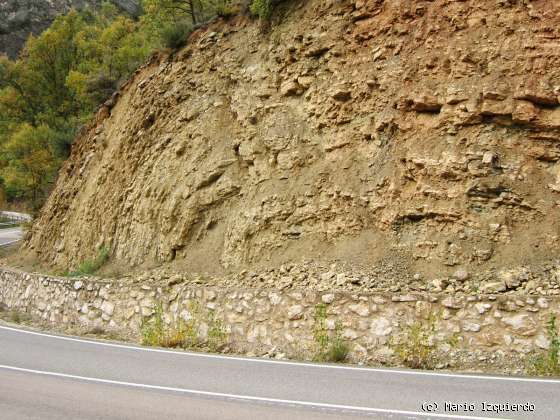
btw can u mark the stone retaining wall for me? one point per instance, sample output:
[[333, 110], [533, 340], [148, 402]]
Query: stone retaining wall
[[282, 322]]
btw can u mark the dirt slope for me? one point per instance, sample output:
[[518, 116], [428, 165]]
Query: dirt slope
[[414, 140]]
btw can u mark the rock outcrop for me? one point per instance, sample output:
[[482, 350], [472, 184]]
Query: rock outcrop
[[419, 137], [20, 18]]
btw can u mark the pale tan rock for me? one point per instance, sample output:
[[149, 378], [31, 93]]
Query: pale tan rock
[[521, 324], [341, 94], [360, 309], [290, 88], [426, 103], [305, 81], [492, 107], [524, 112], [538, 96], [295, 312], [452, 303], [381, 327], [493, 287], [328, 298]]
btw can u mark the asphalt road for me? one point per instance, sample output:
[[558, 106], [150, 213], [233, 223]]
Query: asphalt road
[[10, 235], [53, 377]]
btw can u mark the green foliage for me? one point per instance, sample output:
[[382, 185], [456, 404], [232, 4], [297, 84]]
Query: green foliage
[[29, 162], [547, 363], [156, 332], [63, 75], [53, 88], [158, 13], [171, 21], [90, 267], [329, 348], [192, 324], [15, 316], [338, 349], [320, 333], [415, 349], [175, 36], [226, 8], [153, 330], [217, 335], [261, 9]]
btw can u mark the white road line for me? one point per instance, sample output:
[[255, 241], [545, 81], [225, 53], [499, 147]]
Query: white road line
[[281, 362], [245, 397]]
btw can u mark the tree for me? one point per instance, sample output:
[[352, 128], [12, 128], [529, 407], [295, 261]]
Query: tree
[[165, 11], [161, 13], [54, 86], [62, 76], [28, 163]]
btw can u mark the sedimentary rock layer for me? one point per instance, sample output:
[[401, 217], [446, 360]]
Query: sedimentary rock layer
[[421, 137]]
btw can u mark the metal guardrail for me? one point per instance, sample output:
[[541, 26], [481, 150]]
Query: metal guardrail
[[15, 217], [14, 220]]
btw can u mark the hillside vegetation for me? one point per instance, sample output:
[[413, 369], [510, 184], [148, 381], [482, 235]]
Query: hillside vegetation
[[64, 74]]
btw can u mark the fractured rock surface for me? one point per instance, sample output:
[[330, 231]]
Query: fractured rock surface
[[422, 137]]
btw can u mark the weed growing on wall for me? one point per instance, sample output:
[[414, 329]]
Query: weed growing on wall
[[329, 348], [547, 363], [414, 349], [217, 336], [183, 334]]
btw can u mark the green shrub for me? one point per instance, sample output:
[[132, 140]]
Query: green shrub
[[328, 349], [18, 317], [338, 349], [152, 330], [15, 317], [182, 334], [175, 35], [99, 87], [225, 9], [90, 267], [414, 348], [547, 363], [262, 9], [217, 335], [156, 333], [97, 330], [192, 323]]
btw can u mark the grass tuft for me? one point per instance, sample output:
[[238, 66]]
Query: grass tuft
[[547, 363], [90, 267]]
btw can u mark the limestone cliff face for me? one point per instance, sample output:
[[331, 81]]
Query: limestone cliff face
[[416, 136], [20, 18]]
